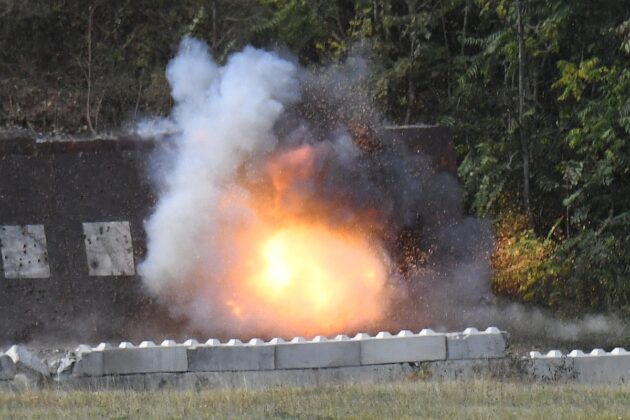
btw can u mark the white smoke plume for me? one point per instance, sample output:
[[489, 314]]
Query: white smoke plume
[[222, 115], [226, 118]]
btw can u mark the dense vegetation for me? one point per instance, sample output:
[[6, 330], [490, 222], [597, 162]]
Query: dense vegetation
[[537, 93]]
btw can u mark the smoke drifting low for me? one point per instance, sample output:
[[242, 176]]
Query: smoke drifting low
[[281, 212]]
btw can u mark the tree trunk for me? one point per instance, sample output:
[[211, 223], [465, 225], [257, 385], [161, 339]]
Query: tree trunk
[[376, 22], [521, 110], [411, 99], [88, 104], [464, 27], [215, 26], [411, 89], [448, 55]]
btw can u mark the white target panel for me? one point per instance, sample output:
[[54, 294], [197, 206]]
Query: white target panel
[[108, 249], [24, 252]]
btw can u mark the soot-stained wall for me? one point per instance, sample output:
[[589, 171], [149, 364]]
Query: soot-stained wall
[[71, 236], [60, 186]]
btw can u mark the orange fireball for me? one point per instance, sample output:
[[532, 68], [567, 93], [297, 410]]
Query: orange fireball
[[292, 270], [315, 280]]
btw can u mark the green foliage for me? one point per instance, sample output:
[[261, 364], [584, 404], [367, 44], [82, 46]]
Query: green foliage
[[484, 172], [412, 43], [311, 29], [601, 156], [574, 79], [591, 271]]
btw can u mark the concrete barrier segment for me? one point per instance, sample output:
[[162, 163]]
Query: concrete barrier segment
[[402, 348], [145, 359], [232, 356], [103, 346], [89, 363], [317, 353], [190, 343], [617, 351], [475, 344], [7, 368], [82, 348], [551, 354], [600, 366], [597, 366], [24, 360], [608, 369], [471, 330]]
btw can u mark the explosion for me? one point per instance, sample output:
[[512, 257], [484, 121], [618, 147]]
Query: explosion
[[309, 278], [296, 268], [279, 214]]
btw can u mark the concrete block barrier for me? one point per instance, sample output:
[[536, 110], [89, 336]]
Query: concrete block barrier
[[26, 361], [318, 353], [149, 358], [474, 344], [7, 368], [471, 354], [232, 356], [599, 366], [404, 347], [89, 362], [551, 366]]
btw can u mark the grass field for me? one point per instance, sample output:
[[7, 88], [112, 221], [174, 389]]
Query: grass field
[[477, 399]]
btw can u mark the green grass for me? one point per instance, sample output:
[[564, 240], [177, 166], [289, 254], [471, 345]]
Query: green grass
[[474, 399]]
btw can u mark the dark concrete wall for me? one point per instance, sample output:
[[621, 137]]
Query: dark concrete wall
[[63, 184]]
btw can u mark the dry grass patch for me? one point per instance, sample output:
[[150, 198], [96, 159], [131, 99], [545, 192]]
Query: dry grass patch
[[473, 399]]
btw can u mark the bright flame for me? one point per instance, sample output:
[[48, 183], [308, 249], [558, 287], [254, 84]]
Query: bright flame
[[318, 280], [294, 271], [279, 271]]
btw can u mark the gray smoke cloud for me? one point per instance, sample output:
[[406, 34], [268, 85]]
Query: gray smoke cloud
[[531, 324], [228, 119]]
